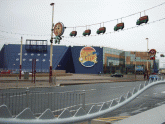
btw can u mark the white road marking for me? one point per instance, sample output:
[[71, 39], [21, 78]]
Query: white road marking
[[121, 86], [113, 87]]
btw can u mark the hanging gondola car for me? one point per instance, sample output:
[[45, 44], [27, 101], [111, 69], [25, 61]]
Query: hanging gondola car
[[87, 32], [143, 19], [73, 33], [119, 26], [101, 30]]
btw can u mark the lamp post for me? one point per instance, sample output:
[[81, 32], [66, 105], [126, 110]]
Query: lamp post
[[20, 66], [147, 58], [51, 46]]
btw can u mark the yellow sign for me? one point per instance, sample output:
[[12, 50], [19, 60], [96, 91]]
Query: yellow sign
[[88, 56]]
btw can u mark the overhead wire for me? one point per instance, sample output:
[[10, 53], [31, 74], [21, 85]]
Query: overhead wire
[[88, 25], [89, 35], [118, 30], [121, 17]]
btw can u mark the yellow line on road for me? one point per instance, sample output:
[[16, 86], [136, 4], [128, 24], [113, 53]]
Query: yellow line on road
[[112, 118]]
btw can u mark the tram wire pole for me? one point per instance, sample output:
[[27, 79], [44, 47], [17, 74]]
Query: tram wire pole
[[147, 59], [20, 66], [51, 46]]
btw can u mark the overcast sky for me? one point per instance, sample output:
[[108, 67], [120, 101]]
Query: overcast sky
[[32, 19]]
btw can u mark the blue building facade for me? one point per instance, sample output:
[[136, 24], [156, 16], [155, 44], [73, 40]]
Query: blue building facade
[[77, 59]]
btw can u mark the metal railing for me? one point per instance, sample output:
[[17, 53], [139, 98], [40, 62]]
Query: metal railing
[[39, 101], [27, 117]]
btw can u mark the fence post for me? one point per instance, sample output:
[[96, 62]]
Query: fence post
[[27, 97], [83, 101]]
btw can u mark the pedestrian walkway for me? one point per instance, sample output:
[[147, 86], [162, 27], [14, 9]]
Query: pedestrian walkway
[[74, 79], [152, 116]]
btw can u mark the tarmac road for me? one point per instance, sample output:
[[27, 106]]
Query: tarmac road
[[151, 98], [94, 94], [102, 92]]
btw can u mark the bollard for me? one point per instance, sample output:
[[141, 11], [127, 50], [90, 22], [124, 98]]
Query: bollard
[[27, 97]]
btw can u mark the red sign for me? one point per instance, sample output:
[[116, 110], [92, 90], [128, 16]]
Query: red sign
[[152, 57], [152, 51]]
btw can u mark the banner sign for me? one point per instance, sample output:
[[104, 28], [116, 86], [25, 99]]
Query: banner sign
[[88, 56]]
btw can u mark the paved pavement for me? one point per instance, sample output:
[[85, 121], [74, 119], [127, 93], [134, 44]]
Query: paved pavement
[[74, 79], [153, 116]]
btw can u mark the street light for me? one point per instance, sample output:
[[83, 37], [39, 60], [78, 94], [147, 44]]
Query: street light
[[20, 66], [51, 47], [147, 58]]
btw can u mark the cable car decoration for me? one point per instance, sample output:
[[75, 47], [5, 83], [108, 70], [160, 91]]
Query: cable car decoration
[[161, 55], [73, 33], [143, 19], [87, 32], [101, 30], [119, 26]]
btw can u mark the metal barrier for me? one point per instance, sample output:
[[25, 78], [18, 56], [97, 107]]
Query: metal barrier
[[27, 117], [38, 101]]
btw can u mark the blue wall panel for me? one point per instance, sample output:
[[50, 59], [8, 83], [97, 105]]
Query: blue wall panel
[[64, 58], [2, 59], [12, 58], [66, 63]]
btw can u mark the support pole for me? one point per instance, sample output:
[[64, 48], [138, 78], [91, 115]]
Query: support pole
[[135, 66], [89, 122], [20, 66], [83, 100], [51, 46], [147, 59], [32, 70], [27, 97]]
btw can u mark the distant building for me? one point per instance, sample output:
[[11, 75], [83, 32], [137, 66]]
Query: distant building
[[124, 61]]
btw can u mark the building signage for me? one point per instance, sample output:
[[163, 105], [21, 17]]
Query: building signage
[[59, 29], [139, 68], [88, 56], [152, 53]]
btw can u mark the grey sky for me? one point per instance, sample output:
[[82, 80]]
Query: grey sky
[[24, 17]]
